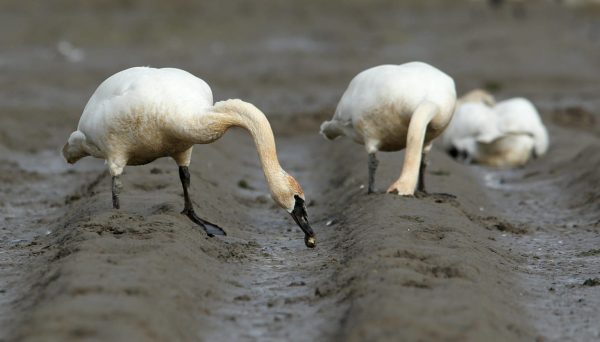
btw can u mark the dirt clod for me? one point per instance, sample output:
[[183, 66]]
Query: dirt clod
[[591, 282]]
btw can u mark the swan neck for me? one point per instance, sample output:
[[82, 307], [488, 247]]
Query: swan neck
[[245, 115]]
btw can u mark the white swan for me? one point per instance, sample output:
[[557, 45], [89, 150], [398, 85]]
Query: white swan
[[473, 124], [518, 115], [506, 134], [141, 114], [392, 107]]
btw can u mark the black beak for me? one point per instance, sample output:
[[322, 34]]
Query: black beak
[[459, 155], [301, 217], [453, 152]]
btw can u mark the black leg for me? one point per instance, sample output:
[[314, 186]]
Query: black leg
[[116, 188], [373, 162], [422, 169], [210, 228]]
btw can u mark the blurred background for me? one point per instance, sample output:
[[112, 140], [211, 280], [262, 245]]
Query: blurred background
[[291, 57]]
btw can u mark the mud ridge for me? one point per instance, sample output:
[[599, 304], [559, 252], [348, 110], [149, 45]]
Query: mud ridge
[[259, 282], [556, 200]]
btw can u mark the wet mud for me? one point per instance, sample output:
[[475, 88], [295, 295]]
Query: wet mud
[[489, 254]]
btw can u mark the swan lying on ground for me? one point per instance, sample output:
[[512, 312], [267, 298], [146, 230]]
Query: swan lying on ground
[[392, 107], [141, 114], [506, 134]]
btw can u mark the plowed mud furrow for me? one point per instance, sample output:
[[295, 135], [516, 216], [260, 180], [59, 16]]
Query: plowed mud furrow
[[385, 266], [556, 204], [35, 188]]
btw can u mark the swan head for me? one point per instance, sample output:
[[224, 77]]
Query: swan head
[[289, 196], [463, 150]]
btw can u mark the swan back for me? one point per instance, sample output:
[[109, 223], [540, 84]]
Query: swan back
[[147, 91], [406, 86], [139, 113], [393, 89]]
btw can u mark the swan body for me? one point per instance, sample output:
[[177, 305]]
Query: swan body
[[517, 116], [392, 107], [141, 114], [506, 134]]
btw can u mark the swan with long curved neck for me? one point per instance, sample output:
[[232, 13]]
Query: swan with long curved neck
[[141, 114], [395, 107]]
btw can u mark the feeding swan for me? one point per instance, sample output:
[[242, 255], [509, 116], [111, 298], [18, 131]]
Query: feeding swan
[[141, 114], [392, 107], [505, 134]]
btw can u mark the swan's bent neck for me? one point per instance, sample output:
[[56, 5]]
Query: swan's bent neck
[[243, 114]]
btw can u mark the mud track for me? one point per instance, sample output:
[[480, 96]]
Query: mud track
[[385, 266]]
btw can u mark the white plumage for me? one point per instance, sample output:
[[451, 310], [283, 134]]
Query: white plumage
[[141, 114], [506, 134], [472, 123], [392, 107], [518, 115]]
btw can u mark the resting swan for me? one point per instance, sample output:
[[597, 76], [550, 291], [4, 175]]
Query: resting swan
[[506, 134], [141, 114], [392, 107]]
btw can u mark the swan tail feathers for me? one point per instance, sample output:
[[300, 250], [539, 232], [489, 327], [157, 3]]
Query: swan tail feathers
[[74, 148], [331, 129]]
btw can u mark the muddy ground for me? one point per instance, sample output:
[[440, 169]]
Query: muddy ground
[[489, 255]]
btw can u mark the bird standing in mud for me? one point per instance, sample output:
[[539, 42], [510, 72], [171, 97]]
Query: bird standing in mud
[[503, 134], [141, 114], [392, 107]]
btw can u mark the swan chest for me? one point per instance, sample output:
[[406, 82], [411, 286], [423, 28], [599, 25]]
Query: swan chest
[[139, 136], [387, 125]]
